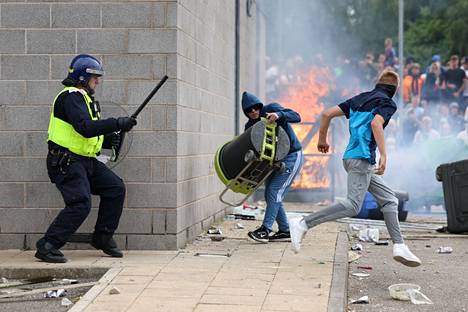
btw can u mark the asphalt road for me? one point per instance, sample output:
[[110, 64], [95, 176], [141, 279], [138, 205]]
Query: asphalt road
[[442, 277]]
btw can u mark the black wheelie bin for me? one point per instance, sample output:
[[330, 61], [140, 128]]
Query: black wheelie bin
[[454, 178]]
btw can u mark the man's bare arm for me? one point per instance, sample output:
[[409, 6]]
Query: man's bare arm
[[327, 116], [378, 131]]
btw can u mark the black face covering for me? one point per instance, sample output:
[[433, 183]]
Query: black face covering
[[390, 90]]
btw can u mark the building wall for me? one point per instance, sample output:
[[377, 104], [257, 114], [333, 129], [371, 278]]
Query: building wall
[[171, 184], [205, 109]]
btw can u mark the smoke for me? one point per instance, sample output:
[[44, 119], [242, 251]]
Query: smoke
[[413, 169], [307, 28]]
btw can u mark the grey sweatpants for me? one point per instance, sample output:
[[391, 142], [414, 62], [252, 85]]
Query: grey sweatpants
[[361, 178]]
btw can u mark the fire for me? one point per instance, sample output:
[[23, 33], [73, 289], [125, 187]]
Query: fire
[[305, 98]]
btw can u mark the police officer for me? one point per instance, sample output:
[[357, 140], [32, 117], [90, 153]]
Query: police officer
[[75, 137]]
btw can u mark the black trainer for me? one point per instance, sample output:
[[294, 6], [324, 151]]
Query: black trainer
[[259, 235], [280, 236], [48, 253], [107, 245]]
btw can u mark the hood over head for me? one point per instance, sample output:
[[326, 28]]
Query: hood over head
[[249, 100]]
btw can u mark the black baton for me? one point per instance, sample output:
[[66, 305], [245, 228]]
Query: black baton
[[116, 150]]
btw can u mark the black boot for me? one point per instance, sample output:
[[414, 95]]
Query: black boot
[[48, 253], [106, 243]]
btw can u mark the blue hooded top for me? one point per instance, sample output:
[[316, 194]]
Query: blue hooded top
[[285, 116], [360, 110]]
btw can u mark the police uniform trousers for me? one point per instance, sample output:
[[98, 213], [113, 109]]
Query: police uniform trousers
[[77, 180]]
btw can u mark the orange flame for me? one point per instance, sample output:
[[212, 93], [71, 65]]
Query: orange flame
[[305, 98]]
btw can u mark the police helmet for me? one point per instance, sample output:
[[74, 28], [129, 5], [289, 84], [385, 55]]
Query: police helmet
[[82, 67]]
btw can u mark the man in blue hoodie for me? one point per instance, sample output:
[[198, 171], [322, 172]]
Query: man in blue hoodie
[[277, 184], [368, 114]]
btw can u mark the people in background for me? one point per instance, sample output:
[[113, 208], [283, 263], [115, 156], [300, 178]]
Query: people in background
[[426, 132], [412, 84], [455, 78]]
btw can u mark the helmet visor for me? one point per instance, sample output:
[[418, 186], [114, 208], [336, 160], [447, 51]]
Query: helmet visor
[[95, 71]]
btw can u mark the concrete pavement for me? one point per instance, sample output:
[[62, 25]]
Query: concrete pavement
[[235, 274]]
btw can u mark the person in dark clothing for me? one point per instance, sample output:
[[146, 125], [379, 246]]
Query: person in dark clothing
[[75, 137], [277, 184], [368, 114], [454, 81], [390, 53], [432, 85]]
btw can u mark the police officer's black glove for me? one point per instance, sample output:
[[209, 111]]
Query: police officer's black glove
[[126, 123], [114, 138], [111, 140]]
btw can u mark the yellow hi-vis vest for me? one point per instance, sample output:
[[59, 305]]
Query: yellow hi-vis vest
[[63, 133]]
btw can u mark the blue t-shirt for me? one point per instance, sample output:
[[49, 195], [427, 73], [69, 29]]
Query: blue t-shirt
[[360, 110]]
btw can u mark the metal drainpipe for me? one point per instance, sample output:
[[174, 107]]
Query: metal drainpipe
[[401, 41], [237, 69]]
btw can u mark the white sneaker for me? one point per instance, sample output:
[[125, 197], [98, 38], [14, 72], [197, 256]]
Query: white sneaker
[[401, 253], [298, 229]]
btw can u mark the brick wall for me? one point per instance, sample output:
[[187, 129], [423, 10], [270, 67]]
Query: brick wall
[[171, 184]]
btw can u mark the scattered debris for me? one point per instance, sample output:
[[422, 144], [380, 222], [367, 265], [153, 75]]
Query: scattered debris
[[445, 250], [217, 238], [43, 290], [213, 254], [364, 267], [114, 291], [229, 217], [356, 227], [358, 274], [66, 302], [400, 291], [215, 230], [382, 243], [353, 256], [244, 217], [4, 280], [239, 226], [357, 247], [408, 292], [443, 229], [418, 297], [248, 212], [380, 223], [30, 281], [362, 300], [55, 293], [369, 235], [248, 206]]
